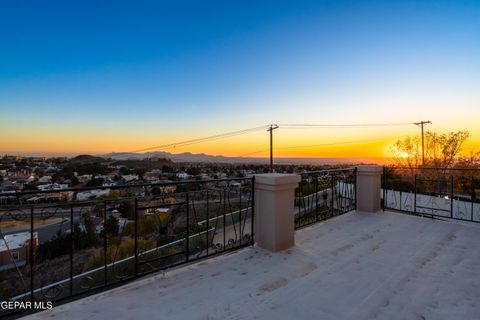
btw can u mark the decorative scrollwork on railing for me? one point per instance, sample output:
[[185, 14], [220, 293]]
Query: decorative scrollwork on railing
[[460, 212], [247, 238], [88, 210], [86, 249], [52, 292], [19, 214], [149, 267], [476, 212], [86, 282], [49, 212], [121, 271], [324, 194], [435, 192], [231, 243], [408, 202], [217, 247]]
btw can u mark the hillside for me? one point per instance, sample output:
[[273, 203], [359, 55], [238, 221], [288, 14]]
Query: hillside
[[87, 159]]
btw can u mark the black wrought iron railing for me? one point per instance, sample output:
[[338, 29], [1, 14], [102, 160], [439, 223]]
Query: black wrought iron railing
[[59, 244], [446, 193], [324, 194]]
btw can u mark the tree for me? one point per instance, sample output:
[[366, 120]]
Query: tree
[[441, 150], [167, 169], [127, 209], [111, 226], [156, 191], [55, 247], [469, 161], [32, 186], [193, 171], [95, 182], [140, 172], [124, 170], [444, 150], [74, 180], [90, 231]]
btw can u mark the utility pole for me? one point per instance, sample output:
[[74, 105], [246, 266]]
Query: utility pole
[[272, 127], [421, 124]]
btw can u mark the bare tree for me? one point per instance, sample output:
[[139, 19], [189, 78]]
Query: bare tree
[[441, 150]]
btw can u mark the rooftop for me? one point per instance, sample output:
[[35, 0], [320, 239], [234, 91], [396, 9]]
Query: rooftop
[[15, 240], [355, 266]]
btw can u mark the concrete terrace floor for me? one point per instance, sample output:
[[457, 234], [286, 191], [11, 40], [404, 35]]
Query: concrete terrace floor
[[356, 266]]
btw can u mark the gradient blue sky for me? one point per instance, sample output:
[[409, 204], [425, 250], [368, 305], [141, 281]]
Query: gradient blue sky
[[120, 75]]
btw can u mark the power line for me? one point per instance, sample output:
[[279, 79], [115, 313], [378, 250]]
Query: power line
[[329, 126], [200, 140], [254, 152], [440, 128], [323, 145], [338, 143], [263, 127]]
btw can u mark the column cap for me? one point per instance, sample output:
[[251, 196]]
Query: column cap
[[276, 181], [277, 178], [369, 169]]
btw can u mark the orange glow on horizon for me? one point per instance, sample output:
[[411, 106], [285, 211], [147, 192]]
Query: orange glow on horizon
[[335, 143]]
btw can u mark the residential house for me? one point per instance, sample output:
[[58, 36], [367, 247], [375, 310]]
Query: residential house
[[91, 194], [45, 180], [130, 177], [182, 175], [15, 249]]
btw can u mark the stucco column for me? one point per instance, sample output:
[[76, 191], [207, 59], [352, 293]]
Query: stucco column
[[369, 188], [274, 210]]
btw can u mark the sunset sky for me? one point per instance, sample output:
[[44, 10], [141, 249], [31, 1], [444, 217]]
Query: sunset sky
[[98, 77]]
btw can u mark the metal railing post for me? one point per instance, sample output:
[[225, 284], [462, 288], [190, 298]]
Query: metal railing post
[[316, 199], [415, 195], [240, 231], [32, 256], [252, 213], [105, 245], [472, 197], [187, 244], [135, 239], [208, 228], [355, 187], [332, 187], [384, 179], [224, 217], [71, 249], [451, 196]]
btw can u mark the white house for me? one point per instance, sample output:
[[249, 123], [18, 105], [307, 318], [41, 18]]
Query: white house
[[182, 175], [84, 178], [130, 177], [108, 184], [91, 194], [55, 186], [45, 180]]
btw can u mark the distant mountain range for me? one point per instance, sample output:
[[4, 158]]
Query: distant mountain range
[[182, 157], [202, 157]]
